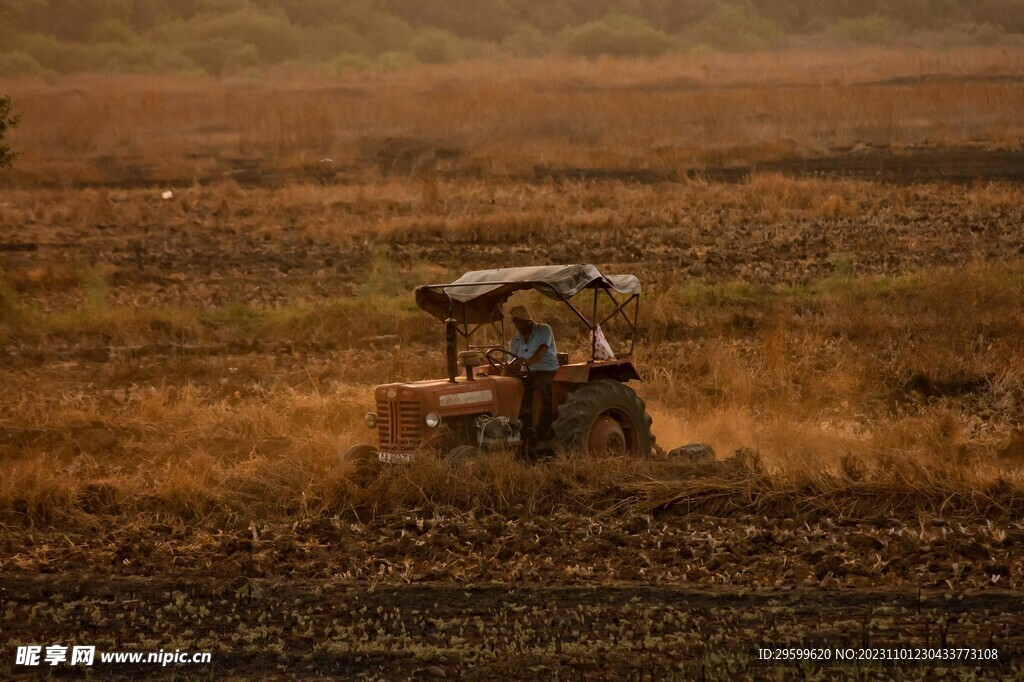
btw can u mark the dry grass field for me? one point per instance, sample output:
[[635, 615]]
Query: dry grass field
[[831, 253], [517, 118]]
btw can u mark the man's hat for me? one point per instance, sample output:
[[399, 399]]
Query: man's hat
[[520, 312]]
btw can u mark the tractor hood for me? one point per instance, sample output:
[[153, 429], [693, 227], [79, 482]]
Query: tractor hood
[[477, 296], [492, 394]]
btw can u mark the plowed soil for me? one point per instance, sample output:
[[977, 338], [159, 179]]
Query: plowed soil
[[304, 629], [675, 591], [210, 246]]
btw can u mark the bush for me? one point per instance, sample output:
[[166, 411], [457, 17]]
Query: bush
[[437, 47], [117, 57], [19, 62], [324, 43], [526, 41], [273, 39], [392, 61], [171, 59], [388, 34], [617, 35], [350, 62], [112, 31], [733, 29], [50, 53], [62, 57], [975, 34], [219, 56], [869, 30]]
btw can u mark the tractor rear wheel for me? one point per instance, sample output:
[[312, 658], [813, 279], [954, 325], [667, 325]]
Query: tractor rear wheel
[[604, 417]]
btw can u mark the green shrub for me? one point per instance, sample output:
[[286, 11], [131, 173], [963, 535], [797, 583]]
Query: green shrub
[[526, 41], [617, 35], [50, 53], [221, 56], [350, 62], [975, 34], [388, 34], [868, 30], [65, 57], [324, 43], [20, 62], [118, 57], [392, 61], [435, 46], [112, 31], [171, 59], [734, 29], [273, 39]]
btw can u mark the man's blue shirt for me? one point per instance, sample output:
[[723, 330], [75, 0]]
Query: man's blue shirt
[[540, 336]]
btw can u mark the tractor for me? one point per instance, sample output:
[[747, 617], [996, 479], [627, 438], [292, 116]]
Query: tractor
[[480, 406]]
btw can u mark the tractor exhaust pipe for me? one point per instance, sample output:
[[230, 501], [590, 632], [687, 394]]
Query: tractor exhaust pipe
[[451, 331]]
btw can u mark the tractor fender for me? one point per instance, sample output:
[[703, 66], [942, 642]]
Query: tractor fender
[[570, 377], [584, 372]]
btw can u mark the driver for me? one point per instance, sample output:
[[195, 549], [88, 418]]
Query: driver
[[533, 345]]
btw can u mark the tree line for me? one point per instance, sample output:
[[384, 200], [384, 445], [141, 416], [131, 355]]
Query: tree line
[[219, 36]]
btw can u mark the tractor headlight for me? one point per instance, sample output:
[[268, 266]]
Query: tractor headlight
[[432, 420], [370, 419]]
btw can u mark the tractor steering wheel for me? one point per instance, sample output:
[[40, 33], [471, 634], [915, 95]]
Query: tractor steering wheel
[[503, 364]]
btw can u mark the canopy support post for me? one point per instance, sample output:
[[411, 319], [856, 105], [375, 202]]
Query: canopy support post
[[451, 340], [632, 330]]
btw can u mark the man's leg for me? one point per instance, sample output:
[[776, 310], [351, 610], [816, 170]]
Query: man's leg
[[538, 406], [542, 411], [528, 413]]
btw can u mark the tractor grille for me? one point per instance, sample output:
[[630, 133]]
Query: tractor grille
[[399, 424]]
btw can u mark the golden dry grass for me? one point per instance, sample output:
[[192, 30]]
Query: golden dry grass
[[834, 404], [204, 356], [502, 118]]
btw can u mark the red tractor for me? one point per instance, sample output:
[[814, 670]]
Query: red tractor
[[479, 407]]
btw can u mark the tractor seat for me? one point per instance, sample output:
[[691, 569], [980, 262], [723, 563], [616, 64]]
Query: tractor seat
[[471, 358]]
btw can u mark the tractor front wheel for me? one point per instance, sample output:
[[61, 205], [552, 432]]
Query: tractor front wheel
[[463, 453], [604, 417], [366, 460]]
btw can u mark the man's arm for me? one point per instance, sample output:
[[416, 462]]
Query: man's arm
[[535, 358], [512, 366]]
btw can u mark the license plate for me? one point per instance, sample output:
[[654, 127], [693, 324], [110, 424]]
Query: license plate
[[395, 457]]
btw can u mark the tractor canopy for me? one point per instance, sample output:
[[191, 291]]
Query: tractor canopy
[[477, 296]]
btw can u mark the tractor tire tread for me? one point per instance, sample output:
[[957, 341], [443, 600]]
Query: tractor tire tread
[[581, 407]]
